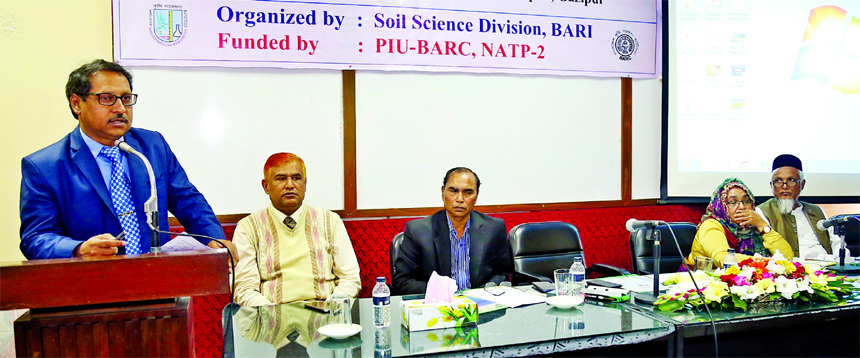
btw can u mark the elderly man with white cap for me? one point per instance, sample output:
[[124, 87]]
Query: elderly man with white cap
[[796, 220]]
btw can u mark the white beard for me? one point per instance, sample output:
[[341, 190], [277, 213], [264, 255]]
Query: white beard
[[786, 205]]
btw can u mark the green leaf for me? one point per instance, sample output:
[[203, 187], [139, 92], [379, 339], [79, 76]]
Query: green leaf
[[739, 303], [670, 306]]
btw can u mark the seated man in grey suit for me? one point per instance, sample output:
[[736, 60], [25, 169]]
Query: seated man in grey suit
[[468, 246]]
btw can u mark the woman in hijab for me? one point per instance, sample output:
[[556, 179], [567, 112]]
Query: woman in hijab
[[731, 222]]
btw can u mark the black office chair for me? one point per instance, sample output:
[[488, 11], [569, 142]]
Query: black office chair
[[540, 248], [642, 248], [393, 251]]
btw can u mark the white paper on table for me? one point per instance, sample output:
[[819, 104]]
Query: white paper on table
[[835, 258], [183, 243], [638, 284], [511, 298]]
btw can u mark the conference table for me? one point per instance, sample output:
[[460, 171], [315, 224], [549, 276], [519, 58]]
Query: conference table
[[595, 328], [600, 329], [799, 329]]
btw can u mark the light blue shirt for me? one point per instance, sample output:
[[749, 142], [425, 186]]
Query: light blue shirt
[[460, 270], [104, 163]]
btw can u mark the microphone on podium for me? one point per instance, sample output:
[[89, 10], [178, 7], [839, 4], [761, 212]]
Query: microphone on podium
[[151, 204], [633, 224], [836, 220]]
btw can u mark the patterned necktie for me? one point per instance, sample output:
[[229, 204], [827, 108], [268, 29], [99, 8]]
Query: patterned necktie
[[290, 222], [120, 195]]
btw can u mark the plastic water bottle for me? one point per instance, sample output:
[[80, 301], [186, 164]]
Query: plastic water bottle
[[381, 303], [577, 270], [731, 259]]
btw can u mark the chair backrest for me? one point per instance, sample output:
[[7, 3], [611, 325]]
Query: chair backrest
[[393, 252], [642, 248], [540, 248], [852, 236]]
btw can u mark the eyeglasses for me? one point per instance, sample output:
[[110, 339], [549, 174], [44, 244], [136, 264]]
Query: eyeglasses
[[747, 203], [779, 182], [499, 290], [108, 99]]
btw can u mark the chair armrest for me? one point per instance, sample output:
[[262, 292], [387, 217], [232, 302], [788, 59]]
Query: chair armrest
[[607, 270]]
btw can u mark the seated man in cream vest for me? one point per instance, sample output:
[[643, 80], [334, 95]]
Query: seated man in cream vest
[[292, 251], [796, 220]]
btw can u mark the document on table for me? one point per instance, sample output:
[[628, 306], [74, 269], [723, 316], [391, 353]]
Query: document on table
[[511, 297], [183, 243], [637, 283]]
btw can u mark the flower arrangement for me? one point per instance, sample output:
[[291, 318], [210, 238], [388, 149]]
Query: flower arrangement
[[755, 280]]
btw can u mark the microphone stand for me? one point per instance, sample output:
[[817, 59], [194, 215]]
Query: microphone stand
[[650, 298], [150, 207], [839, 229]]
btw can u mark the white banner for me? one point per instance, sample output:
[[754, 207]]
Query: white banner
[[613, 38]]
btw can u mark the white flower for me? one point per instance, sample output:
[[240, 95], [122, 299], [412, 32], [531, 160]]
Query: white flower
[[803, 285], [746, 292], [775, 268], [777, 256], [785, 286], [681, 287], [747, 272]]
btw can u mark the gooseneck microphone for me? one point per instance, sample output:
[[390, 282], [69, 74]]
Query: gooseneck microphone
[[150, 207], [836, 220], [633, 224]]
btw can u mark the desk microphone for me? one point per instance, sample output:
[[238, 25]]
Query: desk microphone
[[151, 204], [836, 220], [633, 224]]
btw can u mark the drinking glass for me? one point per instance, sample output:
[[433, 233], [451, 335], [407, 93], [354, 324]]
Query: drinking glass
[[340, 315], [563, 282], [704, 264]]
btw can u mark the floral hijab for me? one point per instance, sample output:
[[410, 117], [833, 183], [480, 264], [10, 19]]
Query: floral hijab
[[749, 240]]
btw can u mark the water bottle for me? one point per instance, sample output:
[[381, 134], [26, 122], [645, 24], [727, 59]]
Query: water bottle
[[381, 303], [731, 259], [577, 270]]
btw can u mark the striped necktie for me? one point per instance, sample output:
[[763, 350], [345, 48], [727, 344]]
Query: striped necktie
[[290, 222], [120, 195]]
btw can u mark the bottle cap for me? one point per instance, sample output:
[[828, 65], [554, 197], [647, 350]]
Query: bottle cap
[[731, 251], [380, 279]]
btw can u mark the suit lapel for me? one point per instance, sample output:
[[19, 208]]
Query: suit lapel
[[83, 159], [477, 243], [442, 240]]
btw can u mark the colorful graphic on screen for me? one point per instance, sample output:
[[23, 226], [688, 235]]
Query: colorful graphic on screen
[[829, 51]]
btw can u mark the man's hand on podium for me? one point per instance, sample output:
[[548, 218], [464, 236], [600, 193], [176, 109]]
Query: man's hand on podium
[[98, 246], [230, 247]]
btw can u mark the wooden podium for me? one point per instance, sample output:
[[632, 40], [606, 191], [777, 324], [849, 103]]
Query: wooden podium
[[120, 306]]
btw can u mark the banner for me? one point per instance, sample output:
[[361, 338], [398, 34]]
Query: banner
[[613, 38]]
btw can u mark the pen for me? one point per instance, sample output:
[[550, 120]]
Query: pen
[[121, 236]]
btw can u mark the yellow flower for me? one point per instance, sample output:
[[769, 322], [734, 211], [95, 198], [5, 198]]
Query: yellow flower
[[715, 291], [818, 279], [766, 285], [789, 267], [733, 270]]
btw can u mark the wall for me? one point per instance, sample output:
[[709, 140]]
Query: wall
[[40, 43]]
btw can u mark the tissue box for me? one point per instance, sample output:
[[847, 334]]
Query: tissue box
[[418, 316], [439, 340]]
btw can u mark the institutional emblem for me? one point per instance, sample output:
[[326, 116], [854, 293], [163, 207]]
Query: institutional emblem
[[624, 45], [168, 24]]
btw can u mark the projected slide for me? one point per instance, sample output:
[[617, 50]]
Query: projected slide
[[758, 78]]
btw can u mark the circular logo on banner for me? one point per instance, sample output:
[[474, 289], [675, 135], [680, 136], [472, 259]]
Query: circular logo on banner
[[624, 44], [168, 24]]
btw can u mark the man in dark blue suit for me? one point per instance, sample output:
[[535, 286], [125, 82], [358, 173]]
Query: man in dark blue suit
[[468, 246], [66, 191]]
